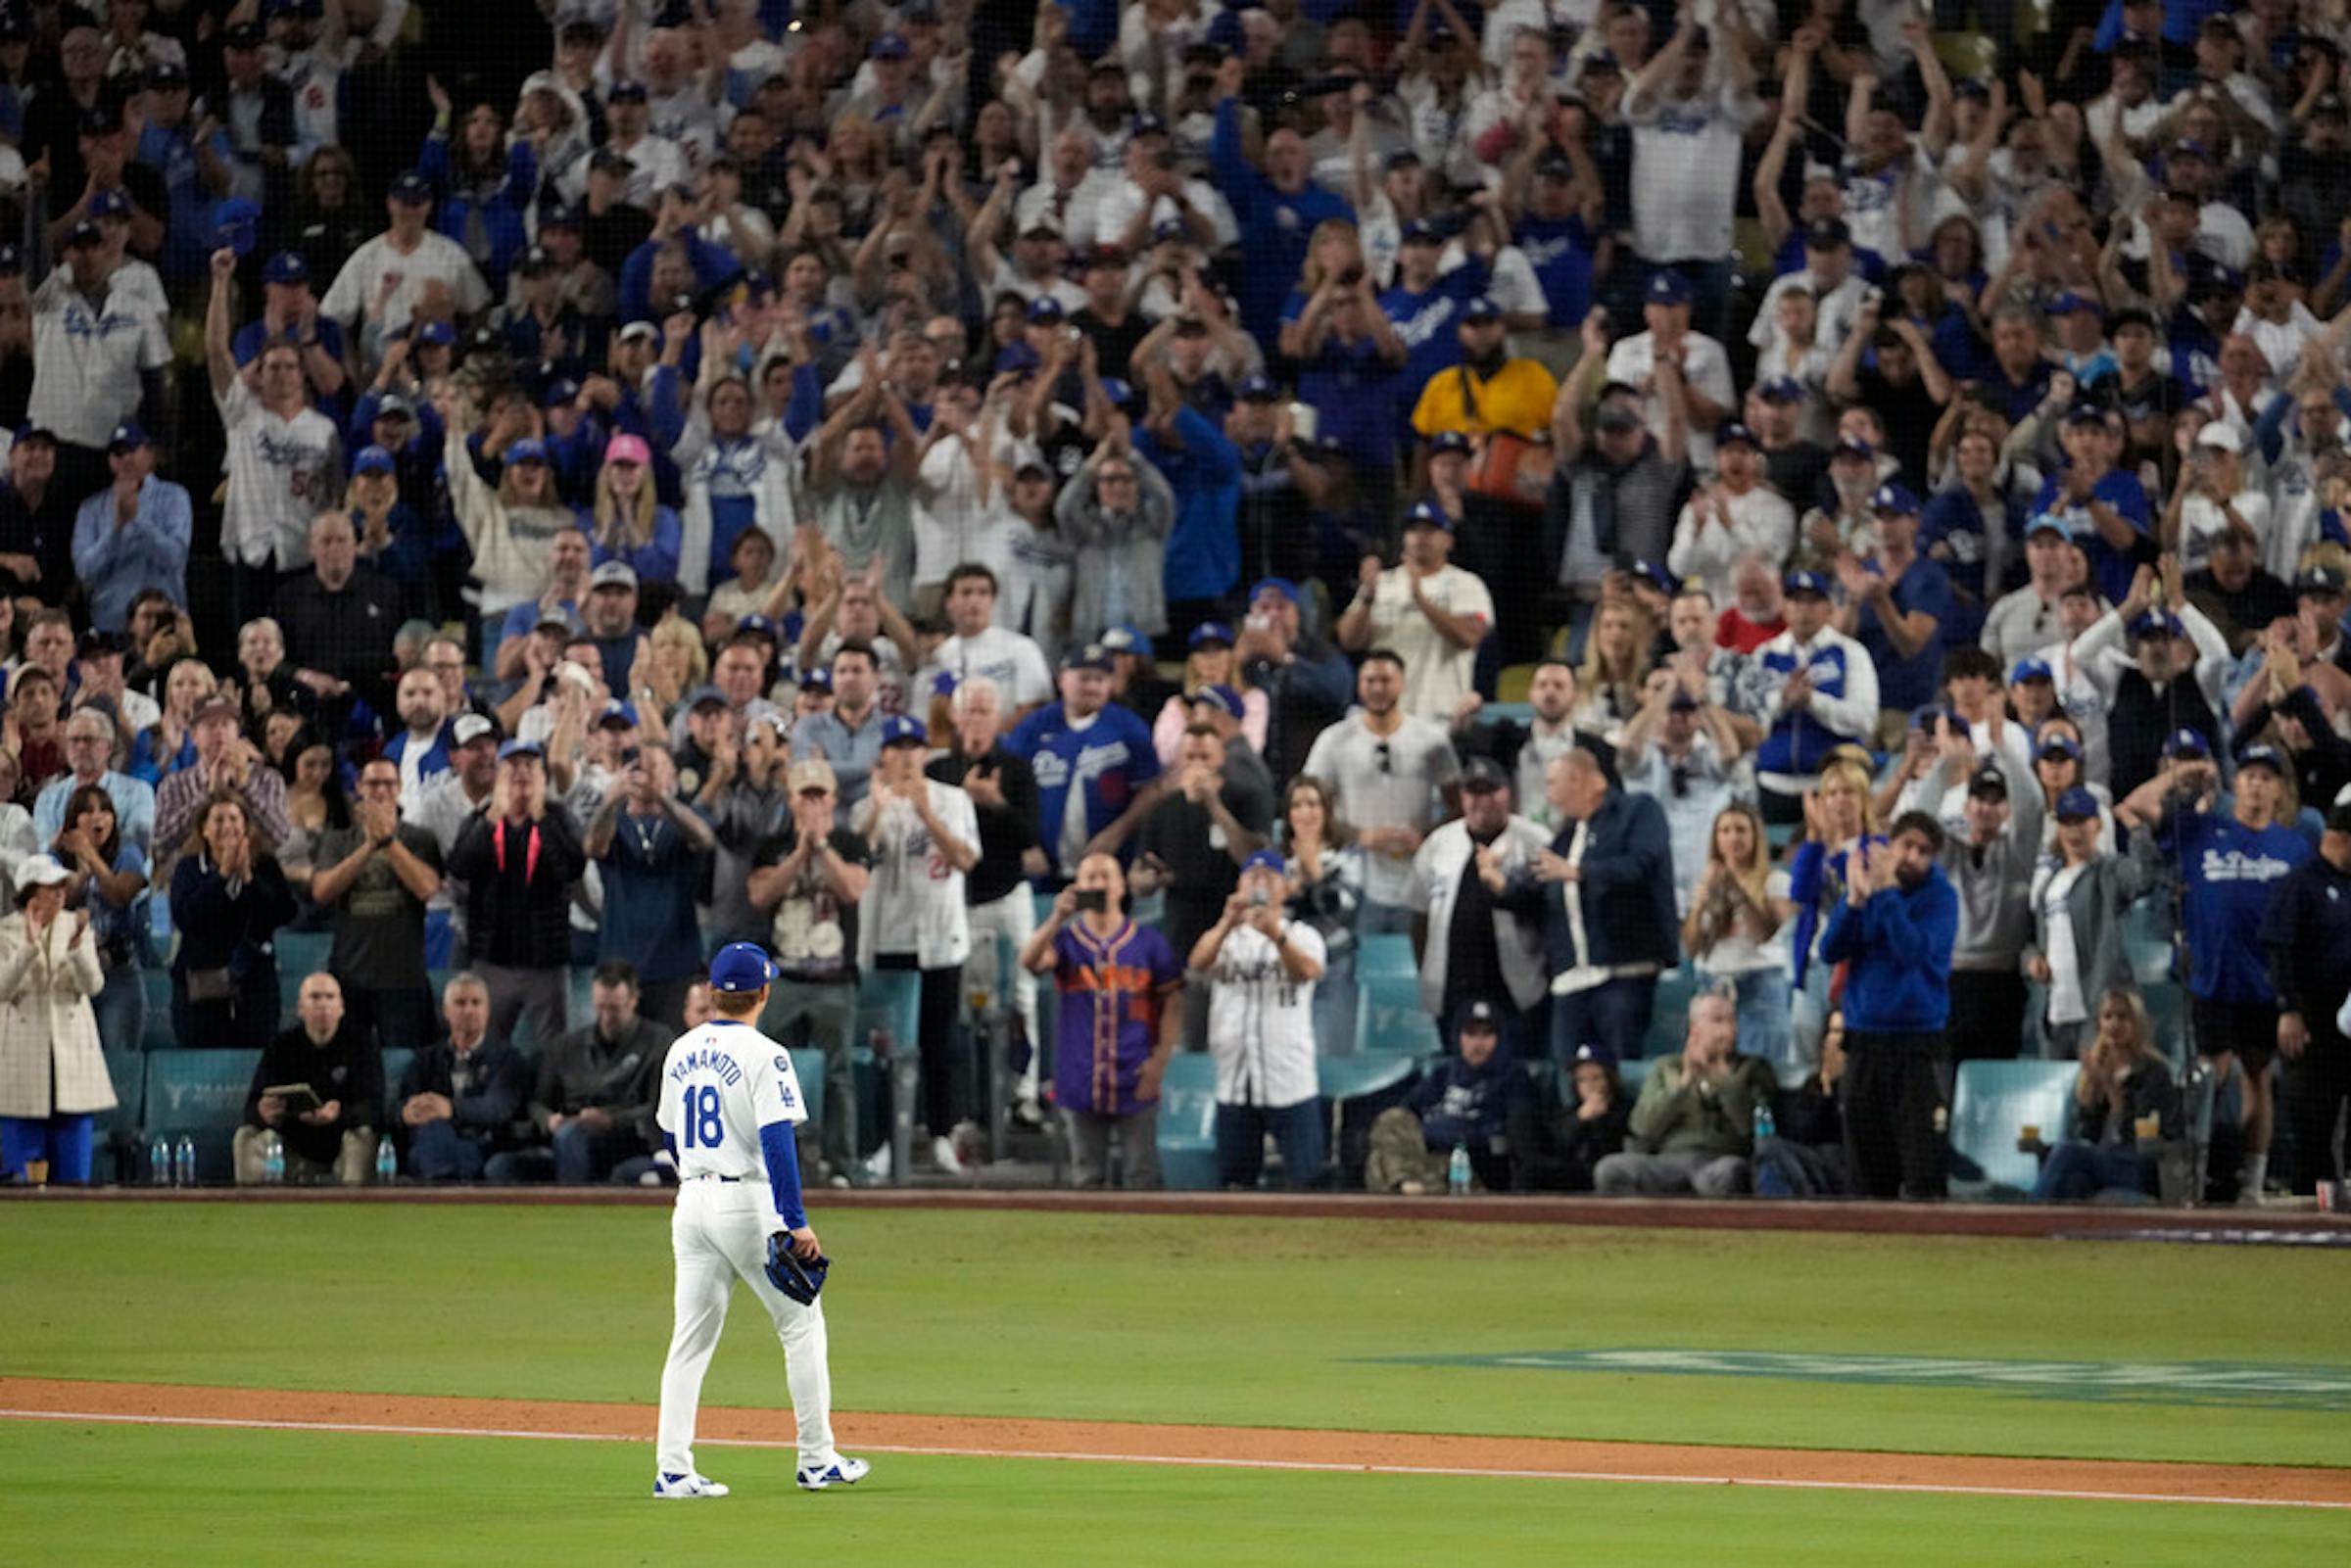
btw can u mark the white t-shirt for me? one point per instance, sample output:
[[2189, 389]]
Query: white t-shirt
[[951, 524], [281, 472], [914, 901], [1436, 674], [1015, 663], [437, 258], [1686, 173], [720, 1084], [1704, 367], [86, 362], [1260, 1020]]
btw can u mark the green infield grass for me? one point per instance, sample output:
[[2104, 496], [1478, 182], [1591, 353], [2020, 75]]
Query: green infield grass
[[1236, 1322], [81, 1494]]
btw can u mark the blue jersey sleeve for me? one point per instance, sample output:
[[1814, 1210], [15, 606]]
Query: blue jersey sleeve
[[784, 1173]]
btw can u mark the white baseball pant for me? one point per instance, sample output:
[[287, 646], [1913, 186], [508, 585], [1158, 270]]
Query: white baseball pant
[[718, 1234], [1000, 928]]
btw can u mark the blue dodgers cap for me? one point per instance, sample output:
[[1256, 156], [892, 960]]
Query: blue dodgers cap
[[1656, 575], [899, 731], [286, 266], [1599, 1056], [1274, 585], [2059, 745], [2048, 523], [891, 46], [1894, 500], [1421, 231], [12, 260], [521, 748], [1126, 640], [618, 712], [2077, 805], [1216, 632], [372, 461], [1448, 441], [1667, 287], [1044, 308], [2067, 303], [412, 189], [1018, 358], [1223, 699], [760, 626], [627, 92], [2188, 744], [1090, 656], [110, 204], [2259, 756], [1116, 391], [1481, 309], [561, 391], [741, 967], [1266, 860], [126, 437], [436, 335], [2031, 669], [529, 449], [1147, 124], [1782, 389], [1854, 446], [83, 233], [1429, 514], [1257, 388], [1735, 433], [819, 678], [2157, 623], [1805, 583]]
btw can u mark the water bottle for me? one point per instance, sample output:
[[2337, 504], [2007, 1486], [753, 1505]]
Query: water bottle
[[273, 1159], [1766, 1126], [183, 1163], [387, 1163], [159, 1162], [1457, 1173]]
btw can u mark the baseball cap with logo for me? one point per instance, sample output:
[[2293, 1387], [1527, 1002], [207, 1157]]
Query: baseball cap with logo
[[899, 731], [2059, 745], [128, 436], [286, 266], [412, 189], [2156, 623], [1667, 287], [372, 461], [1223, 699], [613, 574], [1448, 441], [1894, 500], [1266, 860], [1257, 388], [1090, 656], [1126, 640], [1812, 583], [1427, 514], [2261, 756], [1480, 1015], [741, 967], [473, 726], [1211, 633], [618, 712], [2320, 582], [2187, 743], [1482, 776], [1988, 779], [2031, 668], [2077, 805]]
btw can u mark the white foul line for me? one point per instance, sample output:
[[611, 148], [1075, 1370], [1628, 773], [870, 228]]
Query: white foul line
[[1789, 1483]]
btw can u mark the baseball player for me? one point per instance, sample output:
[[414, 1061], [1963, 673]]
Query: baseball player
[[728, 1101]]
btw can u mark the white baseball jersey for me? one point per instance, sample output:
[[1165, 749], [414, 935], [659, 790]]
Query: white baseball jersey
[[1260, 1020], [720, 1084]]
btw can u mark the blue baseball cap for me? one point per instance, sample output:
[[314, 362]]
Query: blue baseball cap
[[286, 266], [126, 436], [561, 391], [2048, 523], [2059, 745], [1735, 433], [1211, 632], [1805, 583], [2067, 303], [1894, 500], [819, 678], [1147, 124], [1016, 359], [1117, 390], [110, 204], [1667, 287], [1257, 388], [1481, 309], [521, 748], [2031, 669], [891, 46], [2188, 744], [741, 967], [412, 189], [2157, 623], [1223, 699], [762, 626], [1421, 231], [899, 731], [1782, 389], [372, 461], [1044, 308], [1090, 656], [1854, 446], [1126, 640], [618, 712], [627, 92], [1274, 585], [2261, 756], [1266, 860], [1429, 514], [2077, 805], [529, 449], [436, 334], [237, 223], [1656, 575], [1445, 441]]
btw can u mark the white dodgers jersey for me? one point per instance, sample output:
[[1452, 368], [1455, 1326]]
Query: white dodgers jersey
[[720, 1084]]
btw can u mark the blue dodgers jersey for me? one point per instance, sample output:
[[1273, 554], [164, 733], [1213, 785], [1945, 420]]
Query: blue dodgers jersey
[[1798, 740], [2229, 870], [1110, 760]]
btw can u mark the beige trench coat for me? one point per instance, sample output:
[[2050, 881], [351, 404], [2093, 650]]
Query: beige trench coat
[[45, 1019]]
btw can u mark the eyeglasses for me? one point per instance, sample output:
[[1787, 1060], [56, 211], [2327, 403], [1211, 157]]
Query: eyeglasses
[[1386, 755], [1681, 781]]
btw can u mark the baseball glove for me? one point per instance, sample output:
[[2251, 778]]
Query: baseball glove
[[789, 1273]]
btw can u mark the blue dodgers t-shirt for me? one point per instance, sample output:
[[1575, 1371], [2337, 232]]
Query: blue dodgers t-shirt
[[1559, 250], [2228, 870], [1108, 760], [2113, 568], [1909, 682]]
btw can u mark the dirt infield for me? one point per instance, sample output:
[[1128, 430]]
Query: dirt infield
[[1255, 1447]]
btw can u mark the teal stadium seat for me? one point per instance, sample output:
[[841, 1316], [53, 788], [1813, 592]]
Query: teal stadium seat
[[1632, 1074], [2167, 1016], [808, 1066], [2148, 939], [157, 983], [889, 1004], [199, 1093], [1357, 1088], [1187, 1124], [1389, 1016], [1669, 1014], [115, 1155], [1993, 1101], [1386, 953], [1506, 713]]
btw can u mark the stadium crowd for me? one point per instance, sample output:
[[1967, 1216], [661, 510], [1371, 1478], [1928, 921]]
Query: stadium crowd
[[541, 490]]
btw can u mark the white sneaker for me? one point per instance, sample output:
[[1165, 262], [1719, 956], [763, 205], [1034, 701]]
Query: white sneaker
[[689, 1485], [841, 1472], [876, 1166], [943, 1155]]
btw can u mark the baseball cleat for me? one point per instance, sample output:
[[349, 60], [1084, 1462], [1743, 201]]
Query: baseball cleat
[[841, 1472], [689, 1483]]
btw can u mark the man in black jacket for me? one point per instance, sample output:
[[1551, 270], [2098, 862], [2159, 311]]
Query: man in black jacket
[[328, 1133], [460, 1096], [518, 860], [595, 1102], [2307, 931], [1002, 911]]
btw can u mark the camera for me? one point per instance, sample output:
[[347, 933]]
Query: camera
[[1258, 898], [1092, 900]]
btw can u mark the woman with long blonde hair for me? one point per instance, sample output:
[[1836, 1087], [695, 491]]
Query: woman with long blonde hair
[[1838, 813], [2123, 1102], [1615, 668], [627, 521], [1332, 251], [1739, 905]]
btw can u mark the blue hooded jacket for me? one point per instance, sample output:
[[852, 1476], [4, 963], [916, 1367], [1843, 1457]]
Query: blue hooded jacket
[[1897, 946]]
